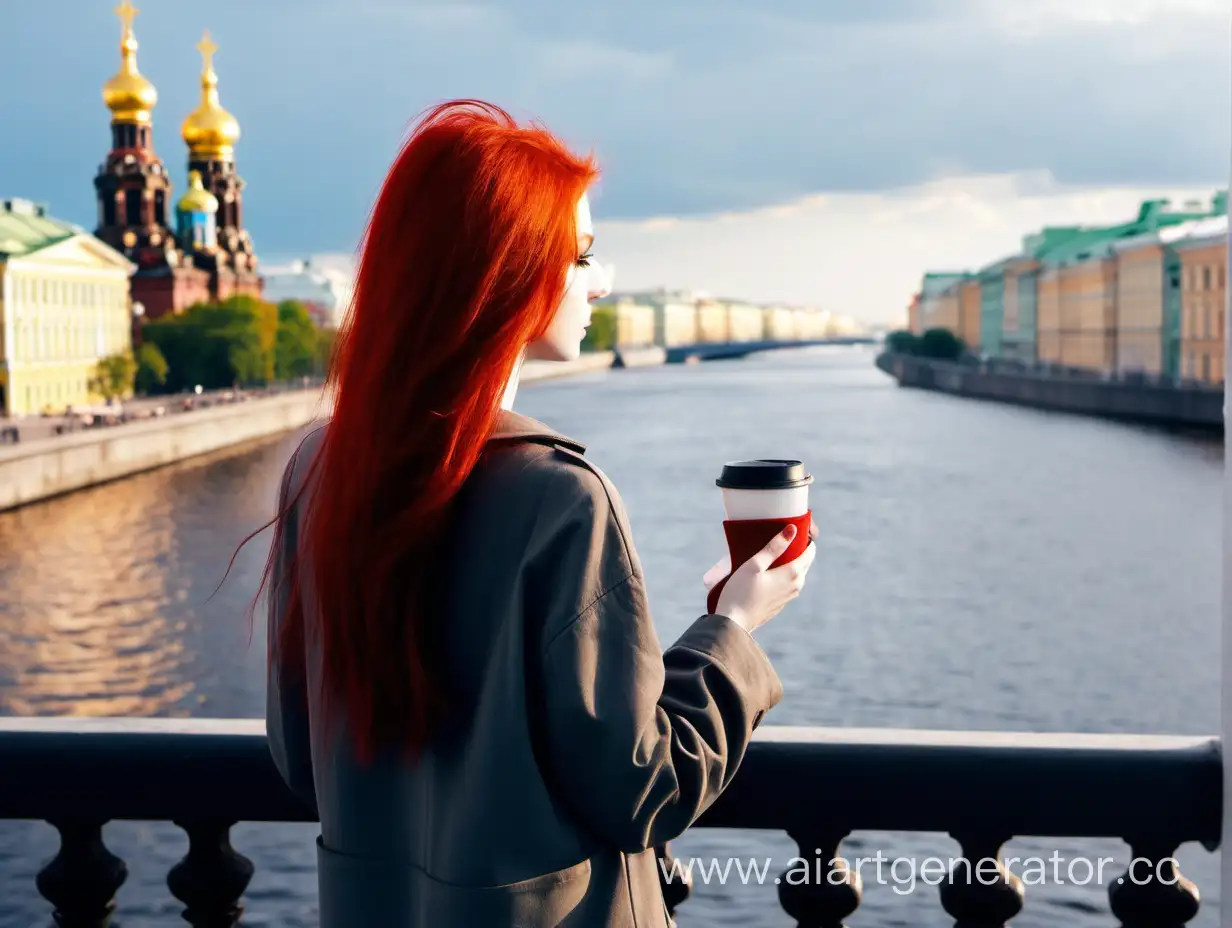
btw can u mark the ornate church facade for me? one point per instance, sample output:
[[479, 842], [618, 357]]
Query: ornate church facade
[[202, 253]]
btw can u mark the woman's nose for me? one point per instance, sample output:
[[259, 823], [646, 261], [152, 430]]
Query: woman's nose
[[601, 282]]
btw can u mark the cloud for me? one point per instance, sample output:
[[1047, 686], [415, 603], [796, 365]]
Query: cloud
[[1053, 14], [694, 107], [860, 253]]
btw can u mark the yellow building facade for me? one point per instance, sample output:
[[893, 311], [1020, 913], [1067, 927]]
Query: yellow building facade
[[745, 322], [1087, 295], [1141, 286], [969, 313], [635, 324], [64, 302], [779, 323], [712, 321], [1204, 283]]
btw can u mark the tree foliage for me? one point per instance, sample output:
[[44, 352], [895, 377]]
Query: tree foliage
[[901, 342], [151, 368], [601, 336], [242, 341], [113, 376], [296, 344], [940, 344]]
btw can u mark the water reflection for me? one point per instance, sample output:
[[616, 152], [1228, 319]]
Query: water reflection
[[980, 566], [107, 607]]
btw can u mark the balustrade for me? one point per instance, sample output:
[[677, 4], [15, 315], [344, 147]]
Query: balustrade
[[817, 785]]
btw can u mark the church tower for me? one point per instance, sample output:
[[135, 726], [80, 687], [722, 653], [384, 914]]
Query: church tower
[[196, 217], [134, 191], [211, 133]]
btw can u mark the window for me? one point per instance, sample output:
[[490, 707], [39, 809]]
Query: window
[[1206, 278], [1206, 367], [1206, 321], [132, 207]]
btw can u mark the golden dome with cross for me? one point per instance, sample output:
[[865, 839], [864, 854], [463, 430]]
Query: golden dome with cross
[[197, 199], [210, 131], [128, 94]]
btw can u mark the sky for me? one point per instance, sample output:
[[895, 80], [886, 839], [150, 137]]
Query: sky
[[818, 152]]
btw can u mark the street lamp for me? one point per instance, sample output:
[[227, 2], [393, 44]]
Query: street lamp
[[138, 310]]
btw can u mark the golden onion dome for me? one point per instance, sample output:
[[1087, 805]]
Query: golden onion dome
[[196, 198], [210, 131], [129, 95]]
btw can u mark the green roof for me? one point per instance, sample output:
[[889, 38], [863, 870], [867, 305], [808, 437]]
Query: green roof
[[939, 281], [25, 227], [1093, 244]]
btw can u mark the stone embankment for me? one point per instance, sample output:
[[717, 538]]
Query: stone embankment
[[31, 471]]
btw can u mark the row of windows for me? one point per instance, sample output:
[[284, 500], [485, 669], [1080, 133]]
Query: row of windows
[[77, 341], [134, 201], [1211, 319], [1202, 367], [33, 293], [1207, 277], [58, 394]]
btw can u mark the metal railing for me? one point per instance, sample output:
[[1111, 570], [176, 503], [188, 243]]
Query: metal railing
[[816, 784]]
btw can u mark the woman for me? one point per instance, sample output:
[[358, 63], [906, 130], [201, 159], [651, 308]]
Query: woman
[[465, 681]]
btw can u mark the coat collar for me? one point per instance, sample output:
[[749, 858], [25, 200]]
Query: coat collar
[[512, 426]]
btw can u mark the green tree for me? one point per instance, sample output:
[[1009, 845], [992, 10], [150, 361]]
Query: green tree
[[901, 342], [296, 346], [216, 345], [151, 369], [327, 339], [113, 376], [601, 336], [941, 344]]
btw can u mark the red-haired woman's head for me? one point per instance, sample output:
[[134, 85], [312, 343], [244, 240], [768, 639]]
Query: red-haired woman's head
[[474, 257]]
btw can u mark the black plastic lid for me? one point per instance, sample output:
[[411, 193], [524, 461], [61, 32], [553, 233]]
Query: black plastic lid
[[769, 474]]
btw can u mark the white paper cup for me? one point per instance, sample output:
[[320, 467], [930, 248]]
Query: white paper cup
[[743, 505], [764, 489]]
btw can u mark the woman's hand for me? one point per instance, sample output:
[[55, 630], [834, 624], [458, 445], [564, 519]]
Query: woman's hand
[[760, 592]]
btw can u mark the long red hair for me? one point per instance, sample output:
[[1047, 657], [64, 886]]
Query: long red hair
[[463, 263]]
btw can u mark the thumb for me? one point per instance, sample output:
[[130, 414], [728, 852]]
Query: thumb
[[775, 548]]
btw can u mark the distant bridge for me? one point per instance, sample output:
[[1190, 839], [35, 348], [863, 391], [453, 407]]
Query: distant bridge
[[716, 351]]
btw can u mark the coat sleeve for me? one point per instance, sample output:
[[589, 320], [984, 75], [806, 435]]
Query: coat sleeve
[[286, 700], [639, 742]]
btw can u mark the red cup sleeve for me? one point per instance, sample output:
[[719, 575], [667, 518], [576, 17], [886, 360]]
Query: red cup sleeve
[[746, 537]]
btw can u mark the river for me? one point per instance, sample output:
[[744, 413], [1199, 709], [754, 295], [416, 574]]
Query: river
[[980, 566]]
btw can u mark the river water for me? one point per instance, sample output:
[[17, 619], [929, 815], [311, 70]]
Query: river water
[[980, 566]]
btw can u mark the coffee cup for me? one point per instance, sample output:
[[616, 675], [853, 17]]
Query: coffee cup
[[760, 499]]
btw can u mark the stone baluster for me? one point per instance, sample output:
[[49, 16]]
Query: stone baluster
[[820, 889], [82, 879], [211, 877], [1152, 893], [677, 889], [980, 892]]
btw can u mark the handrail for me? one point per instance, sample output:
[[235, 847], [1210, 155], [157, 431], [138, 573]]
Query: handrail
[[818, 784], [1091, 785]]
